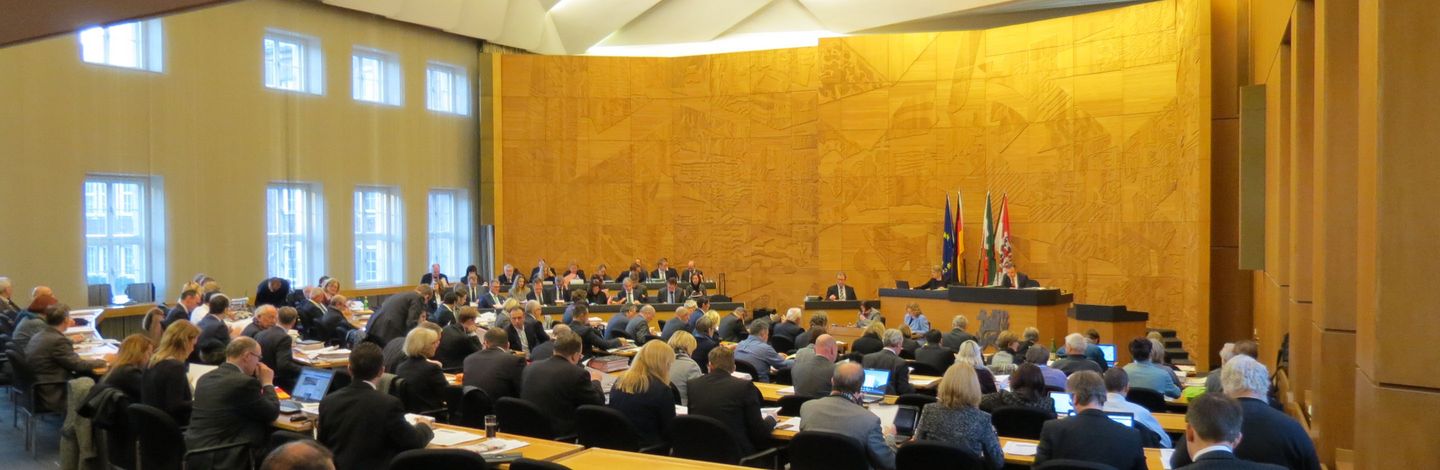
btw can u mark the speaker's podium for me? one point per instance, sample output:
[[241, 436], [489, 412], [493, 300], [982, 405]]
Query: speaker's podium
[[989, 310], [1115, 324]]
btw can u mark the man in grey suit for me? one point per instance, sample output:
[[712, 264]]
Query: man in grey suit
[[841, 413], [812, 371], [52, 356], [639, 325], [236, 402]]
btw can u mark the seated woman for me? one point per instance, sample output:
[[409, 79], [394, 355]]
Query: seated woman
[[152, 325], [869, 342], [596, 295], [684, 367], [424, 380], [1005, 359], [936, 281], [970, 354], [955, 420], [1027, 389], [643, 393], [521, 289], [696, 286], [165, 384], [127, 373], [600, 274]]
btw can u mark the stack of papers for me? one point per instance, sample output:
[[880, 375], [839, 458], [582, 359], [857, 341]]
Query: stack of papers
[[786, 391], [445, 437], [1020, 448], [495, 446], [789, 424]]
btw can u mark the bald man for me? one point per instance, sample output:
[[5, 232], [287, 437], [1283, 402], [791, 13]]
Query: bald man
[[303, 454], [812, 371], [841, 413]]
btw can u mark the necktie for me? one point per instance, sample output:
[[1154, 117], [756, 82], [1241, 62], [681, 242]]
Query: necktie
[[524, 345], [630, 296], [661, 272], [841, 289]]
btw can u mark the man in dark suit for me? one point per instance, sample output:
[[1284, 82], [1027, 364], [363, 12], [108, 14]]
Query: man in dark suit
[[540, 292], [559, 385], [889, 359], [272, 291], [636, 272], [181, 311], [639, 325], [840, 291], [630, 293], [1012, 279], [495, 369], [957, 334], [434, 276], [620, 320], [492, 298], [671, 294], [311, 311], [264, 318], [789, 326], [398, 314], [542, 270], [732, 326], [1090, 435], [1267, 435], [592, 336], [458, 341], [236, 402], [1075, 360], [819, 323], [1212, 431], [933, 355], [525, 333], [214, 333], [506, 277], [677, 324], [445, 312], [702, 305], [336, 322], [663, 271], [276, 348], [366, 428], [691, 270], [52, 356], [734, 402]]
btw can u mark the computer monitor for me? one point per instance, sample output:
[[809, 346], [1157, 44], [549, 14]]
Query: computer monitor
[[902, 284], [1063, 404], [1108, 350], [875, 381], [312, 384], [1127, 419]]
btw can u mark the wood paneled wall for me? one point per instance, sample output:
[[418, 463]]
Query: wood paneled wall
[[779, 168]]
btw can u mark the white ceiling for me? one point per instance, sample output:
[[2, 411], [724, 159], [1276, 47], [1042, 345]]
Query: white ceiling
[[687, 27]]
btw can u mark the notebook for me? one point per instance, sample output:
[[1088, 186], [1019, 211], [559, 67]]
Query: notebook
[[310, 387], [876, 381]]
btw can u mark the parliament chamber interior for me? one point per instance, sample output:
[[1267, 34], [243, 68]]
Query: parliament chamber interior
[[694, 234]]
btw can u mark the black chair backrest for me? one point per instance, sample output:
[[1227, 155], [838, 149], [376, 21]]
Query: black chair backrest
[[745, 367], [921, 368], [426, 459], [528, 464], [1150, 399], [1020, 422], [817, 450], [1067, 464], [142, 292], [933, 455], [521, 417], [162, 445], [915, 399], [24, 376], [474, 405], [784, 344], [341, 380], [606, 428], [790, 404], [696, 437]]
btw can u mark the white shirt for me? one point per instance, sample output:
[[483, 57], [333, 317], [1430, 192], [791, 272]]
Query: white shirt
[[1117, 402], [1214, 448], [199, 312]]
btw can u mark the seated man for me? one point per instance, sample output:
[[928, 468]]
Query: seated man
[[444, 313], [1012, 279], [957, 335], [367, 428], [734, 402], [181, 311], [676, 324], [732, 326], [841, 413], [1117, 385], [492, 298], [458, 339], [888, 358], [671, 294], [214, 333], [525, 333], [265, 316], [1038, 355], [302, 454], [789, 325], [1090, 435], [1268, 435], [236, 402], [1244, 347], [337, 323], [592, 335], [757, 352], [819, 323], [1074, 360], [494, 369], [52, 356], [1212, 431], [559, 385], [840, 291], [276, 348], [812, 372], [630, 293], [1146, 374], [933, 355], [639, 325], [620, 320]]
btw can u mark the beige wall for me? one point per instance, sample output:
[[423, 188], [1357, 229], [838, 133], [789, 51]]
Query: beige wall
[[215, 135]]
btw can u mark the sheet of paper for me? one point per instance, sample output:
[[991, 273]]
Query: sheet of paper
[[495, 446], [681, 410], [1165, 457], [789, 424], [449, 437], [1019, 448], [197, 370], [786, 391]]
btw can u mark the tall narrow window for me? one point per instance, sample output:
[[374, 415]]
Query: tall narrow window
[[379, 257], [294, 241], [375, 77], [293, 62], [116, 252], [134, 45], [447, 89], [449, 229]]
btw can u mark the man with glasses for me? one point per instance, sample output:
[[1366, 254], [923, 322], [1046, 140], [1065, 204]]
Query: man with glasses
[[236, 402]]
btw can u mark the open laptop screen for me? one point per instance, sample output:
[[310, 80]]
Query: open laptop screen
[[1108, 350], [1063, 405], [312, 384], [1127, 419], [875, 381]]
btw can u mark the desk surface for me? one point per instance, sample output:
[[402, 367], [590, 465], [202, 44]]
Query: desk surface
[[606, 459], [1152, 456], [538, 449]]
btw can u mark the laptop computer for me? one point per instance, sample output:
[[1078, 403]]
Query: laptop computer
[[1127, 419], [902, 284], [310, 387], [876, 381], [1108, 350], [1063, 405]]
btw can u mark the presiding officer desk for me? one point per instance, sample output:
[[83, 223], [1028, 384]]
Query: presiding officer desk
[[988, 309], [604, 312]]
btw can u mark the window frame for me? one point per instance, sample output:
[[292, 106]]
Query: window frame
[[459, 82], [311, 236], [311, 57], [149, 45], [391, 81], [388, 237], [112, 261], [459, 235]]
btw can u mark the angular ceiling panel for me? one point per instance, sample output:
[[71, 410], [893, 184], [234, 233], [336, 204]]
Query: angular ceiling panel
[[780, 16], [441, 14], [524, 21], [854, 15], [583, 23], [484, 19], [684, 21]]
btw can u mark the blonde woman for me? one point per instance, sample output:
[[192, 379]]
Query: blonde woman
[[127, 373], [424, 380], [684, 367], [970, 355], [869, 342], [955, 418], [643, 393], [165, 384]]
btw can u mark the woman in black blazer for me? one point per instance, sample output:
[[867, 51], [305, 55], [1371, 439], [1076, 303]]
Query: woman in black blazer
[[127, 373], [596, 294], [696, 286], [870, 341], [166, 383], [643, 393], [424, 380]]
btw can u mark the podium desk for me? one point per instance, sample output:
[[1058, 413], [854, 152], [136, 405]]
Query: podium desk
[[840, 312], [989, 310], [1115, 324]]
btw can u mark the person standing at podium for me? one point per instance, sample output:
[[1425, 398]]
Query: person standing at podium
[[1013, 279], [840, 291]]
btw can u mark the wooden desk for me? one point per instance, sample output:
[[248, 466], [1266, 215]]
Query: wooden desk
[[1152, 456], [1173, 423], [1007, 309], [771, 393], [606, 459], [538, 449]]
